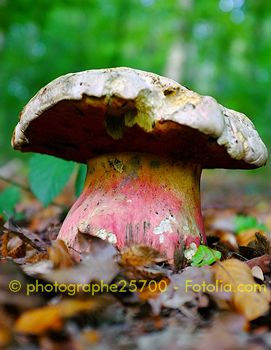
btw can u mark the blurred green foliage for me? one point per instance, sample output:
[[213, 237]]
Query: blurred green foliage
[[219, 47], [243, 223], [48, 176], [8, 199]]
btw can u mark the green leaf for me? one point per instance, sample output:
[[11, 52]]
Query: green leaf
[[8, 199], [205, 256], [244, 222], [80, 179], [48, 176]]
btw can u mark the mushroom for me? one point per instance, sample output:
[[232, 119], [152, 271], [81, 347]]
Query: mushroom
[[145, 140]]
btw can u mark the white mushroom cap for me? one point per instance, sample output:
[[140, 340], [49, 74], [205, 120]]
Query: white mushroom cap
[[80, 115]]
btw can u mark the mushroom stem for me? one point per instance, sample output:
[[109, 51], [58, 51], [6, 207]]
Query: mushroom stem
[[138, 198]]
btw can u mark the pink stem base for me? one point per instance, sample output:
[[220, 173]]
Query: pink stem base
[[135, 198]]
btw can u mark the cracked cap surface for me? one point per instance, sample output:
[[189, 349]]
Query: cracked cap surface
[[81, 115]]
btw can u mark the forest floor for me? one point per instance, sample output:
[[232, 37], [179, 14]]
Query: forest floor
[[151, 305]]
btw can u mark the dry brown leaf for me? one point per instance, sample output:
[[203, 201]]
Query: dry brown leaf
[[223, 332], [16, 248], [51, 317], [261, 244], [98, 265], [257, 272], [91, 336], [139, 255], [244, 237], [248, 298], [40, 320], [153, 290], [229, 239], [179, 291], [59, 254], [140, 262], [155, 272], [26, 235], [5, 329], [264, 262], [47, 342], [5, 337], [257, 247], [251, 305], [12, 275], [4, 244], [33, 259], [44, 218]]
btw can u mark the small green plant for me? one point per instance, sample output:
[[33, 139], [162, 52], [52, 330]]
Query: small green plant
[[205, 256]]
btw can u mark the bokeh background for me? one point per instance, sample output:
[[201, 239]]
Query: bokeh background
[[217, 47]]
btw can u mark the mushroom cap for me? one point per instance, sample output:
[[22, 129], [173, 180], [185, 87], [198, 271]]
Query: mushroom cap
[[81, 115]]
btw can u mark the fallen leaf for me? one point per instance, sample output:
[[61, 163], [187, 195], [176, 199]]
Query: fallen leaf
[[91, 336], [139, 255], [16, 248], [261, 244], [38, 256], [4, 244], [52, 317], [246, 236], [48, 342], [27, 236], [184, 287], [248, 298], [257, 272], [6, 326], [59, 254], [5, 334], [222, 220], [99, 265], [264, 262], [44, 218], [39, 269], [251, 304], [141, 262], [229, 239], [257, 247], [13, 286], [40, 320], [154, 272], [153, 289], [223, 333]]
